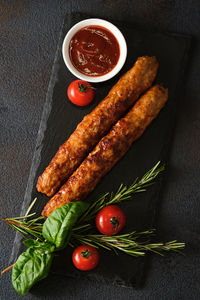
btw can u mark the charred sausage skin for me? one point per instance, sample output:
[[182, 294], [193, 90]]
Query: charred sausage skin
[[110, 149], [96, 124]]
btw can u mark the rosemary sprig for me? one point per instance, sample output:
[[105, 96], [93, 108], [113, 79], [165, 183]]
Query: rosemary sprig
[[134, 244], [123, 193], [25, 228], [26, 225]]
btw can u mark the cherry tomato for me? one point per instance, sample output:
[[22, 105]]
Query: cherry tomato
[[110, 220], [80, 92], [85, 258]]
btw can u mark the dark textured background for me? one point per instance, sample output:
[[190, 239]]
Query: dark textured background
[[29, 35]]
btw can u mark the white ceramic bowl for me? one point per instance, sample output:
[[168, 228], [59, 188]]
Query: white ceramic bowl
[[115, 31]]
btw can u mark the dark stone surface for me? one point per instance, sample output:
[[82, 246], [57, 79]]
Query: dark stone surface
[[28, 40]]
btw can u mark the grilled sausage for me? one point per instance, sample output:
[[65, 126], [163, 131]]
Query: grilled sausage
[[110, 149], [95, 125]]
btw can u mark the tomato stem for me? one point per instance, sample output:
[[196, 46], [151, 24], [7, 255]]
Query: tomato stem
[[115, 223], [82, 88], [86, 253]]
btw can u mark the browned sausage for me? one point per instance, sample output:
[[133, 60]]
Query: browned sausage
[[95, 125], [110, 149]]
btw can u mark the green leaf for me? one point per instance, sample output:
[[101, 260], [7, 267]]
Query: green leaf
[[30, 267], [39, 247], [58, 226], [31, 243]]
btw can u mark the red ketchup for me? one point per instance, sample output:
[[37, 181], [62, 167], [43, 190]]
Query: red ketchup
[[94, 51]]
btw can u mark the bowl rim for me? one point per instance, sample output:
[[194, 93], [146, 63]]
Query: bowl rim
[[114, 30]]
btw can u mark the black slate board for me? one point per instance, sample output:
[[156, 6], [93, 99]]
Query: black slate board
[[59, 120]]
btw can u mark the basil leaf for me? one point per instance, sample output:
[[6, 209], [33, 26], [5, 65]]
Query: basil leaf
[[30, 267], [58, 226], [44, 247], [30, 242]]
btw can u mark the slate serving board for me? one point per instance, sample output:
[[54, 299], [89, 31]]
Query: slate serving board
[[59, 120]]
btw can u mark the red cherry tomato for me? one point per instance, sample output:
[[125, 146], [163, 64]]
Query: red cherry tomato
[[80, 92], [85, 258], [110, 220]]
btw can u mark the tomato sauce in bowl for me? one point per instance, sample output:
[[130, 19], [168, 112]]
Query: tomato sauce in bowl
[[94, 50]]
